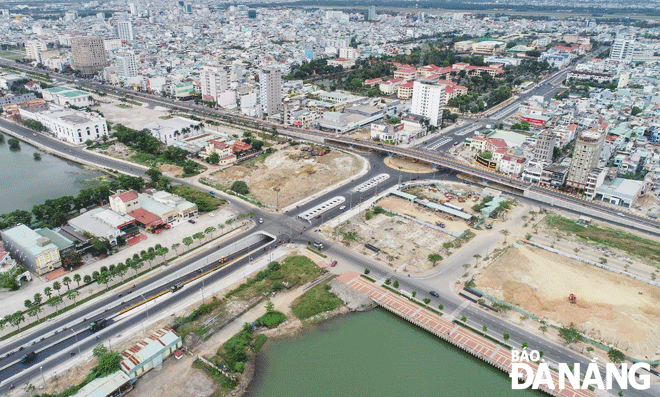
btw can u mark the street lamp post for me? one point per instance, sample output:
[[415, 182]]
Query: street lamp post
[[76, 335], [41, 369]]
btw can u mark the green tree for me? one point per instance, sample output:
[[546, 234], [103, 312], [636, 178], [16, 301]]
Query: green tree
[[48, 292], [87, 279], [14, 143], [71, 259], [34, 311], [107, 361], [57, 286], [505, 336], [240, 187], [524, 344], [269, 306], [72, 295], [175, 248], [16, 319], [37, 299], [77, 278], [66, 281], [396, 284], [209, 231], [434, 258], [154, 174], [213, 158], [27, 303], [570, 334], [635, 111], [484, 328], [476, 257], [616, 356], [199, 236], [543, 329], [414, 294]]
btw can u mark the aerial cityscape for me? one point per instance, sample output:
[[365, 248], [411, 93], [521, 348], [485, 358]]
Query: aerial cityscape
[[303, 198]]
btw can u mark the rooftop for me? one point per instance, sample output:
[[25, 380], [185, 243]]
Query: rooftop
[[28, 239]]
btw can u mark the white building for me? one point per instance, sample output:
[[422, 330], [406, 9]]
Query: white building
[[126, 65], [111, 44], [622, 49], [70, 125], [428, 101], [33, 49], [248, 101], [214, 80], [270, 90], [176, 128], [349, 53], [125, 31]]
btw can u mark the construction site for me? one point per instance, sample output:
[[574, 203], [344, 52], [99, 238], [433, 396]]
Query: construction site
[[611, 308], [290, 174]]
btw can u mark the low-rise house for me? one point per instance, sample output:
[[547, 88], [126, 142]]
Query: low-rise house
[[150, 352], [69, 125]]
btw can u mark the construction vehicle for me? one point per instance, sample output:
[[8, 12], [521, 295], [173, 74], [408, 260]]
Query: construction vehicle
[[572, 298], [222, 260], [97, 325], [489, 226]]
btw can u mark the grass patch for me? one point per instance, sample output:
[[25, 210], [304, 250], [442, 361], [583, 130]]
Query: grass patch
[[317, 252], [476, 331], [619, 239], [205, 201], [165, 117], [293, 271], [123, 106], [368, 278], [259, 342], [316, 300], [272, 319]]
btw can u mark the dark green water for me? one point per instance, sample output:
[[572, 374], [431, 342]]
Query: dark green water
[[373, 354], [25, 181]]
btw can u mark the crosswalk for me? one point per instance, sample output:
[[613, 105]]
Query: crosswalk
[[439, 143]]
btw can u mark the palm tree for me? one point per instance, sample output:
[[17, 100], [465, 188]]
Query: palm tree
[[71, 295], [87, 279], [77, 278], [209, 231], [504, 233], [476, 256], [37, 299], [199, 236], [66, 281], [48, 292], [175, 248], [57, 286]]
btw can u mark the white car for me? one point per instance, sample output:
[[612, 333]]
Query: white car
[[343, 207]]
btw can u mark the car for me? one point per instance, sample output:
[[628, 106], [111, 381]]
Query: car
[[34, 134], [261, 220], [434, 294], [191, 221], [343, 207], [333, 264], [28, 358], [211, 214]]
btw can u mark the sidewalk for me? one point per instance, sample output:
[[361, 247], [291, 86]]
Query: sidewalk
[[13, 300]]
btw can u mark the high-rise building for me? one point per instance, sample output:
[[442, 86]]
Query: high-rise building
[[348, 53], [214, 81], [545, 145], [126, 65], [88, 53], [252, 14], [428, 100], [33, 49], [372, 13], [586, 154], [270, 87], [125, 30], [622, 49], [134, 8]]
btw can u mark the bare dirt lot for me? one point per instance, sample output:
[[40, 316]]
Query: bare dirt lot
[[421, 213], [133, 117], [287, 169], [402, 242], [612, 308], [406, 165]]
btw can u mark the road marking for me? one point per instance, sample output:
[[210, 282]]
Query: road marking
[[459, 309], [437, 144], [363, 187], [454, 329], [321, 208], [492, 355]]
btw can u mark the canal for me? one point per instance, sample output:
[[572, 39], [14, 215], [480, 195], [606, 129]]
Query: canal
[[25, 181], [373, 354]]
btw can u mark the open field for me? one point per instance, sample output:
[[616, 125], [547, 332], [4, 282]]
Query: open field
[[422, 213], [287, 170], [130, 115], [632, 244], [406, 165], [611, 308]]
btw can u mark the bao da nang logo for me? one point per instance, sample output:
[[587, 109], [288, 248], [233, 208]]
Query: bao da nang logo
[[529, 370]]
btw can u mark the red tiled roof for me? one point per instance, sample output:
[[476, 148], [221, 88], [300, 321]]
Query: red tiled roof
[[218, 144], [127, 196], [145, 217], [407, 85], [501, 150], [498, 142], [240, 146]]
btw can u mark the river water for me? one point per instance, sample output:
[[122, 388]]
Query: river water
[[373, 354], [25, 181]]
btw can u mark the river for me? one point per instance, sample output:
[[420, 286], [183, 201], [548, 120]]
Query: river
[[25, 181], [373, 354]]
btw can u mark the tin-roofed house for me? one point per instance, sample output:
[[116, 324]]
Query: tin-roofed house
[[150, 352]]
